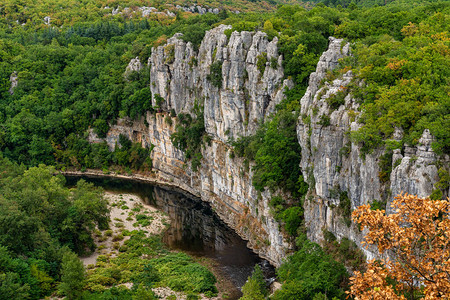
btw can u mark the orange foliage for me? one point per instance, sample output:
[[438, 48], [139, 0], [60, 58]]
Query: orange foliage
[[396, 64], [417, 238]]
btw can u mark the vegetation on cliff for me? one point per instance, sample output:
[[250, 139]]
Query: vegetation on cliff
[[190, 134]]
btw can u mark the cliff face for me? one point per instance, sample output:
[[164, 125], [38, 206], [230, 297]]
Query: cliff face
[[180, 76], [234, 107], [334, 165]]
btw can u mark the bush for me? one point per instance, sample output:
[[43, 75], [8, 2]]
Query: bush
[[261, 63], [215, 74], [169, 52], [181, 273], [188, 135], [255, 287], [310, 271]]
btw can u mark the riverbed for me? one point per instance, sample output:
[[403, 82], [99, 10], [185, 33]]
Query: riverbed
[[194, 229]]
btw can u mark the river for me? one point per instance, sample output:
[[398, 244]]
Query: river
[[195, 229]]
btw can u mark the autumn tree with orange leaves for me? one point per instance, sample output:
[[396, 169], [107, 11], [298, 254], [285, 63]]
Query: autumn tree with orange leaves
[[417, 238]]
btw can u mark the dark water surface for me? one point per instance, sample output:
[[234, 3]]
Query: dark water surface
[[195, 229]]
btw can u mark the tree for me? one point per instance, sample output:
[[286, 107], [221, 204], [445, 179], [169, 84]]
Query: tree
[[73, 276], [417, 238], [310, 271], [255, 287]]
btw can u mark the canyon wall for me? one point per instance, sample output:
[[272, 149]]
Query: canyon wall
[[235, 106], [335, 167], [244, 99]]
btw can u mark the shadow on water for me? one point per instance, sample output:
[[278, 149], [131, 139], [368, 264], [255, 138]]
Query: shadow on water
[[195, 229]]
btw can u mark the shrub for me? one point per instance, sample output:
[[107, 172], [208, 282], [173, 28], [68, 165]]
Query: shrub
[[310, 271], [169, 52], [261, 63], [215, 74], [188, 135], [273, 62]]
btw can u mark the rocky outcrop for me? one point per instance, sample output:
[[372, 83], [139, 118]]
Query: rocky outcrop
[[199, 9], [415, 171], [245, 97], [241, 100], [14, 79], [134, 65], [334, 166], [237, 94], [219, 180]]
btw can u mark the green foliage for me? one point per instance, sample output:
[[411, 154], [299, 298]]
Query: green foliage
[[269, 30], [215, 74], [147, 263], [405, 78], [255, 287], [178, 272], [385, 165], [336, 100], [188, 135], [71, 77], [131, 155], [169, 52], [442, 186], [261, 63], [274, 63], [72, 276], [158, 100], [292, 218], [275, 150], [143, 292], [39, 219], [241, 26], [310, 271], [325, 120], [345, 208], [344, 251], [50, 212], [378, 205]]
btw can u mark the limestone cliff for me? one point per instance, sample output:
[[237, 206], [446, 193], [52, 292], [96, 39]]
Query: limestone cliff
[[334, 165], [244, 97], [179, 74]]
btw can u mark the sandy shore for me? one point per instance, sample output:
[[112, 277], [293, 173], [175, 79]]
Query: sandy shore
[[123, 211]]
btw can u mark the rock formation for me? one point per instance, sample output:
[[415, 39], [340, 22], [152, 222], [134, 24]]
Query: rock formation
[[235, 105], [335, 166], [14, 79]]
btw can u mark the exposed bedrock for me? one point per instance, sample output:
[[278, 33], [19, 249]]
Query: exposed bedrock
[[335, 166], [235, 105]]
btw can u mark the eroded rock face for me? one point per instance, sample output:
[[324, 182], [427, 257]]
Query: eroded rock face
[[332, 165], [181, 76], [134, 65], [219, 180]]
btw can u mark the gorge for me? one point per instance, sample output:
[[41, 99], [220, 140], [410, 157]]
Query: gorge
[[292, 127], [246, 95]]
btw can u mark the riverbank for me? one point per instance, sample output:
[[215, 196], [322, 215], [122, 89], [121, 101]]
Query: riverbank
[[150, 177], [132, 245], [195, 228], [124, 212]]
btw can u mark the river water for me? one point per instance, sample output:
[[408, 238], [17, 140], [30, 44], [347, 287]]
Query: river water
[[195, 229]]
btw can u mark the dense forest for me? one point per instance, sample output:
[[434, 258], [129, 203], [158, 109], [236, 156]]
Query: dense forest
[[62, 67]]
